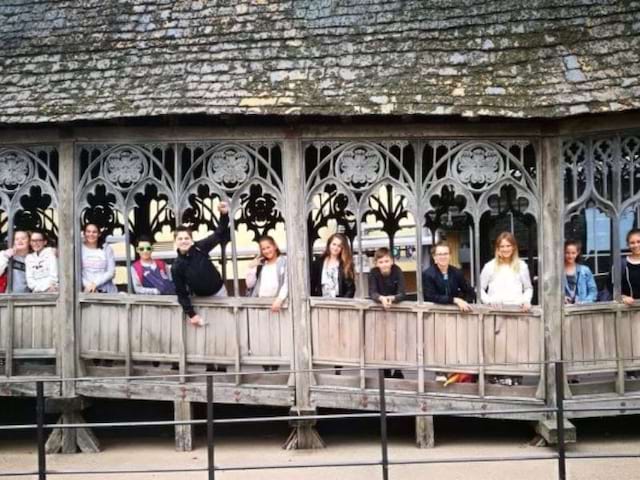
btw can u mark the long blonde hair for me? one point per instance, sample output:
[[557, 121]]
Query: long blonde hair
[[515, 258]]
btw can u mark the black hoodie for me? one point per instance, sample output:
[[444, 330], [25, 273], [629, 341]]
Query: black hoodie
[[194, 273]]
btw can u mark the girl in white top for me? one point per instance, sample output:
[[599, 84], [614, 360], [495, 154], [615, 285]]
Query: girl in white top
[[41, 266], [505, 279], [98, 263], [267, 274]]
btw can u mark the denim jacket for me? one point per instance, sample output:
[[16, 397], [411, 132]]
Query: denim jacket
[[586, 290]]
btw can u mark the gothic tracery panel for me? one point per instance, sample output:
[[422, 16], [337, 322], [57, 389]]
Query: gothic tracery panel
[[28, 189]]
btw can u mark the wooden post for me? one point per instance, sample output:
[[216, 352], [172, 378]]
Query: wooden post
[[304, 434], [551, 257], [183, 411], [66, 259], [68, 440], [65, 345]]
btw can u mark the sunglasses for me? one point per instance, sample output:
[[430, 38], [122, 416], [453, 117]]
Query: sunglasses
[[145, 249]]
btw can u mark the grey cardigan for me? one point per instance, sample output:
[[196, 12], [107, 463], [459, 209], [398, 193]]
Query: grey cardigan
[[253, 278]]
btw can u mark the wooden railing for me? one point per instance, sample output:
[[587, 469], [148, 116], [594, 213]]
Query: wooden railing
[[27, 331], [601, 338], [240, 332], [427, 337]]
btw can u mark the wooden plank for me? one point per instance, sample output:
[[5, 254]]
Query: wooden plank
[[333, 333], [150, 341], [354, 340], [264, 332], [524, 327], [104, 316], [164, 318], [66, 311], [473, 329], [380, 335], [610, 338], [276, 320], [25, 321], [576, 341], [315, 332], [599, 347], [176, 329], [345, 339], [390, 327], [230, 333], [535, 342], [429, 339], [500, 332], [450, 340], [323, 332], [243, 332], [587, 339], [626, 336], [125, 340], [200, 333], [370, 335], [567, 345], [411, 338], [38, 321], [253, 328], [440, 339], [420, 344], [462, 338], [489, 339], [136, 328], [634, 320], [481, 354]]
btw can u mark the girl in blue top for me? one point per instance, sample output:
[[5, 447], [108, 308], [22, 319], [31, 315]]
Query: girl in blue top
[[579, 284]]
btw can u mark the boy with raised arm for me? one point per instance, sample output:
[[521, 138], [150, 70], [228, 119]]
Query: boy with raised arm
[[193, 272]]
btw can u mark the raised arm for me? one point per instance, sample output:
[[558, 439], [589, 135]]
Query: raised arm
[[220, 235]]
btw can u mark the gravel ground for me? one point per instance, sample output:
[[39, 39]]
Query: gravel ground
[[353, 441]]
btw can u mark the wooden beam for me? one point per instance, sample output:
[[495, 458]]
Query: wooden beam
[[551, 256], [183, 411], [304, 435], [66, 337]]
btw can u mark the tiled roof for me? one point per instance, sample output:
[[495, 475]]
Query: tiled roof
[[64, 60]]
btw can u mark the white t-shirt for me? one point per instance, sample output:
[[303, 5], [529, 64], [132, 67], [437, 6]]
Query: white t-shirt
[[269, 280]]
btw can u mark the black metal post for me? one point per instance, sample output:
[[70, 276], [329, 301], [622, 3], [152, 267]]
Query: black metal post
[[562, 467], [210, 465], [383, 426], [42, 456]]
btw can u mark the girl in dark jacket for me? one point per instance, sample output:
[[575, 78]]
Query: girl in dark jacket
[[332, 274]]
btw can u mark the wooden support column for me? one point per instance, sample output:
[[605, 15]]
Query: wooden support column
[[304, 434], [425, 435], [67, 440], [66, 344], [550, 251], [183, 411]]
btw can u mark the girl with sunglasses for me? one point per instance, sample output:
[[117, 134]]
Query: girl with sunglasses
[[150, 276]]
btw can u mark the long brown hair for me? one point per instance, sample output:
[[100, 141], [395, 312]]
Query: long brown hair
[[346, 258], [515, 258]]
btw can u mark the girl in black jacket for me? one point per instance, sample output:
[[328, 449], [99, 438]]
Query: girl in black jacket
[[332, 274]]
